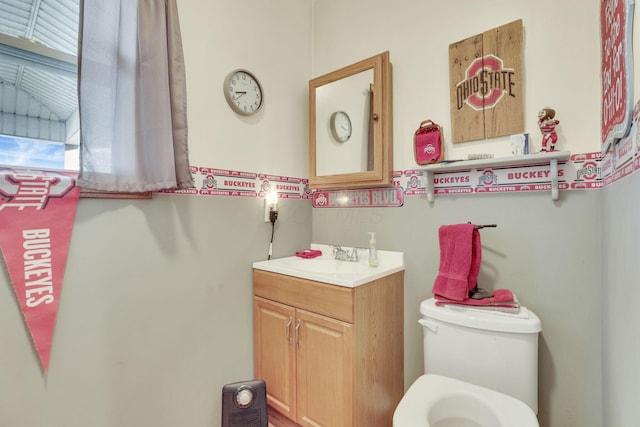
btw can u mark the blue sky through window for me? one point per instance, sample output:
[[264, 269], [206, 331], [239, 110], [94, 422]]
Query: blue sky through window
[[25, 152]]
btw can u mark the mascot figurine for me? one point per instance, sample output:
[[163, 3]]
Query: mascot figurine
[[548, 125]]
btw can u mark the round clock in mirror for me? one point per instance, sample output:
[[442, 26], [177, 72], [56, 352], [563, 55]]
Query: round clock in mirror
[[341, 126]]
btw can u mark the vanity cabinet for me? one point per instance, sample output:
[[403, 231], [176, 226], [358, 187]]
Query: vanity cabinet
[[330, 355], [305, 364]]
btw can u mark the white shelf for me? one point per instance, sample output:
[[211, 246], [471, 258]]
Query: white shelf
[[550, 158]]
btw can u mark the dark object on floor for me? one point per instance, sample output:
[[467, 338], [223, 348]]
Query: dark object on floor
[[244, 404]]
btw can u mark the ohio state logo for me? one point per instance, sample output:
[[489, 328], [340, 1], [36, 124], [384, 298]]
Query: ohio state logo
[[23, 189], [486, 82], [320, 199], [588, 171], [209, 182], [429, 149], [487, 178], [413, 182]]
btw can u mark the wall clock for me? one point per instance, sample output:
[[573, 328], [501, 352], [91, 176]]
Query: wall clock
[[340, 126], [243, 92]]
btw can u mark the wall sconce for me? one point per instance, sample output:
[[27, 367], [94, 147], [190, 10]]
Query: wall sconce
[[270, 204]]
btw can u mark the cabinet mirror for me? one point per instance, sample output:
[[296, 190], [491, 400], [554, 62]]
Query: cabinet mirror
[[350, 126]]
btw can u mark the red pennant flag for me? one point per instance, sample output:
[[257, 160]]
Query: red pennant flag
[[37, 210]]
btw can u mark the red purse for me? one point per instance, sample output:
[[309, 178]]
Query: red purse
[[428, 146]]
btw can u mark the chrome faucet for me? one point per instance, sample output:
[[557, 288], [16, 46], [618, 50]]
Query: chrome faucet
[[340, 254]]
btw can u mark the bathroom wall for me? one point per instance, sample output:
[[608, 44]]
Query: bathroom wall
[[155, 314], [620, 290], [156, 308], [549, 253], [418, 34], [620, 294]]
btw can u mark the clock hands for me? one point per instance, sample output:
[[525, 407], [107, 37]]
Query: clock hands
[[241, 93]]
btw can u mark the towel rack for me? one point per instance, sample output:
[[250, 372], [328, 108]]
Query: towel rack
[[478, 227], [478, 292]]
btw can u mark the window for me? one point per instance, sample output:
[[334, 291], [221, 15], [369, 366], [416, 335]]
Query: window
[[39, 90], [33, 153], [39, 122]]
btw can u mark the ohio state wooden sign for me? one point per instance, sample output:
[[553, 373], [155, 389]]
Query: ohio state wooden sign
[[485, 79]]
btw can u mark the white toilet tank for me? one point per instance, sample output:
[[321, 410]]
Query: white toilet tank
[[494, 350]]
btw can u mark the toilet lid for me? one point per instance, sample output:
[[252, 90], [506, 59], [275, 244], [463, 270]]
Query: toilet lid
[[433, 398], [472, 317]]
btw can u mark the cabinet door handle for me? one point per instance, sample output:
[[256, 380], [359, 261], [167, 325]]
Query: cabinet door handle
[[297, 334], [288, 330]]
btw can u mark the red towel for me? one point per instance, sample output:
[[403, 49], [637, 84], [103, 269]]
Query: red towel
[[309, 253], [460, 257], [500, 298]]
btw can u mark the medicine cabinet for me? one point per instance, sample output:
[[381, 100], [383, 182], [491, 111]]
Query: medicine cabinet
[[363, 157]]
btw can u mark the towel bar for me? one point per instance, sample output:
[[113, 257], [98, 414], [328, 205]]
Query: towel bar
[[478, 227]]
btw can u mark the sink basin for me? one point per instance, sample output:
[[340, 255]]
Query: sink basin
[[328, 266], [328, 270]]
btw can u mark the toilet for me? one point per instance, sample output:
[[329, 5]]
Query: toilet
[[481, 370]]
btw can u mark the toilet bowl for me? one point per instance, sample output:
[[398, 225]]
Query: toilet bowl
[[438, 401]]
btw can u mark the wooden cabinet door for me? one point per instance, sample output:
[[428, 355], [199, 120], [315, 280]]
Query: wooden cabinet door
[[274, 353], [324, 371]]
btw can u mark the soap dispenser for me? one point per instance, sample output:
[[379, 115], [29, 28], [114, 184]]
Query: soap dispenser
[[373, 254]]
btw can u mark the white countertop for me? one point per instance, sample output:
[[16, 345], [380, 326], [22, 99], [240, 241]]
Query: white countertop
[[342, 273]]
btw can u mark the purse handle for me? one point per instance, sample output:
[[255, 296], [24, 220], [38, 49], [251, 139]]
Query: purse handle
[[427, 122]]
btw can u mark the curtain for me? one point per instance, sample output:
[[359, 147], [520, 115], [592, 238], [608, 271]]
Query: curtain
[[132, 95]]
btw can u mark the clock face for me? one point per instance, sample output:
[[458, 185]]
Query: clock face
[[341, 126], [243, 92]]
